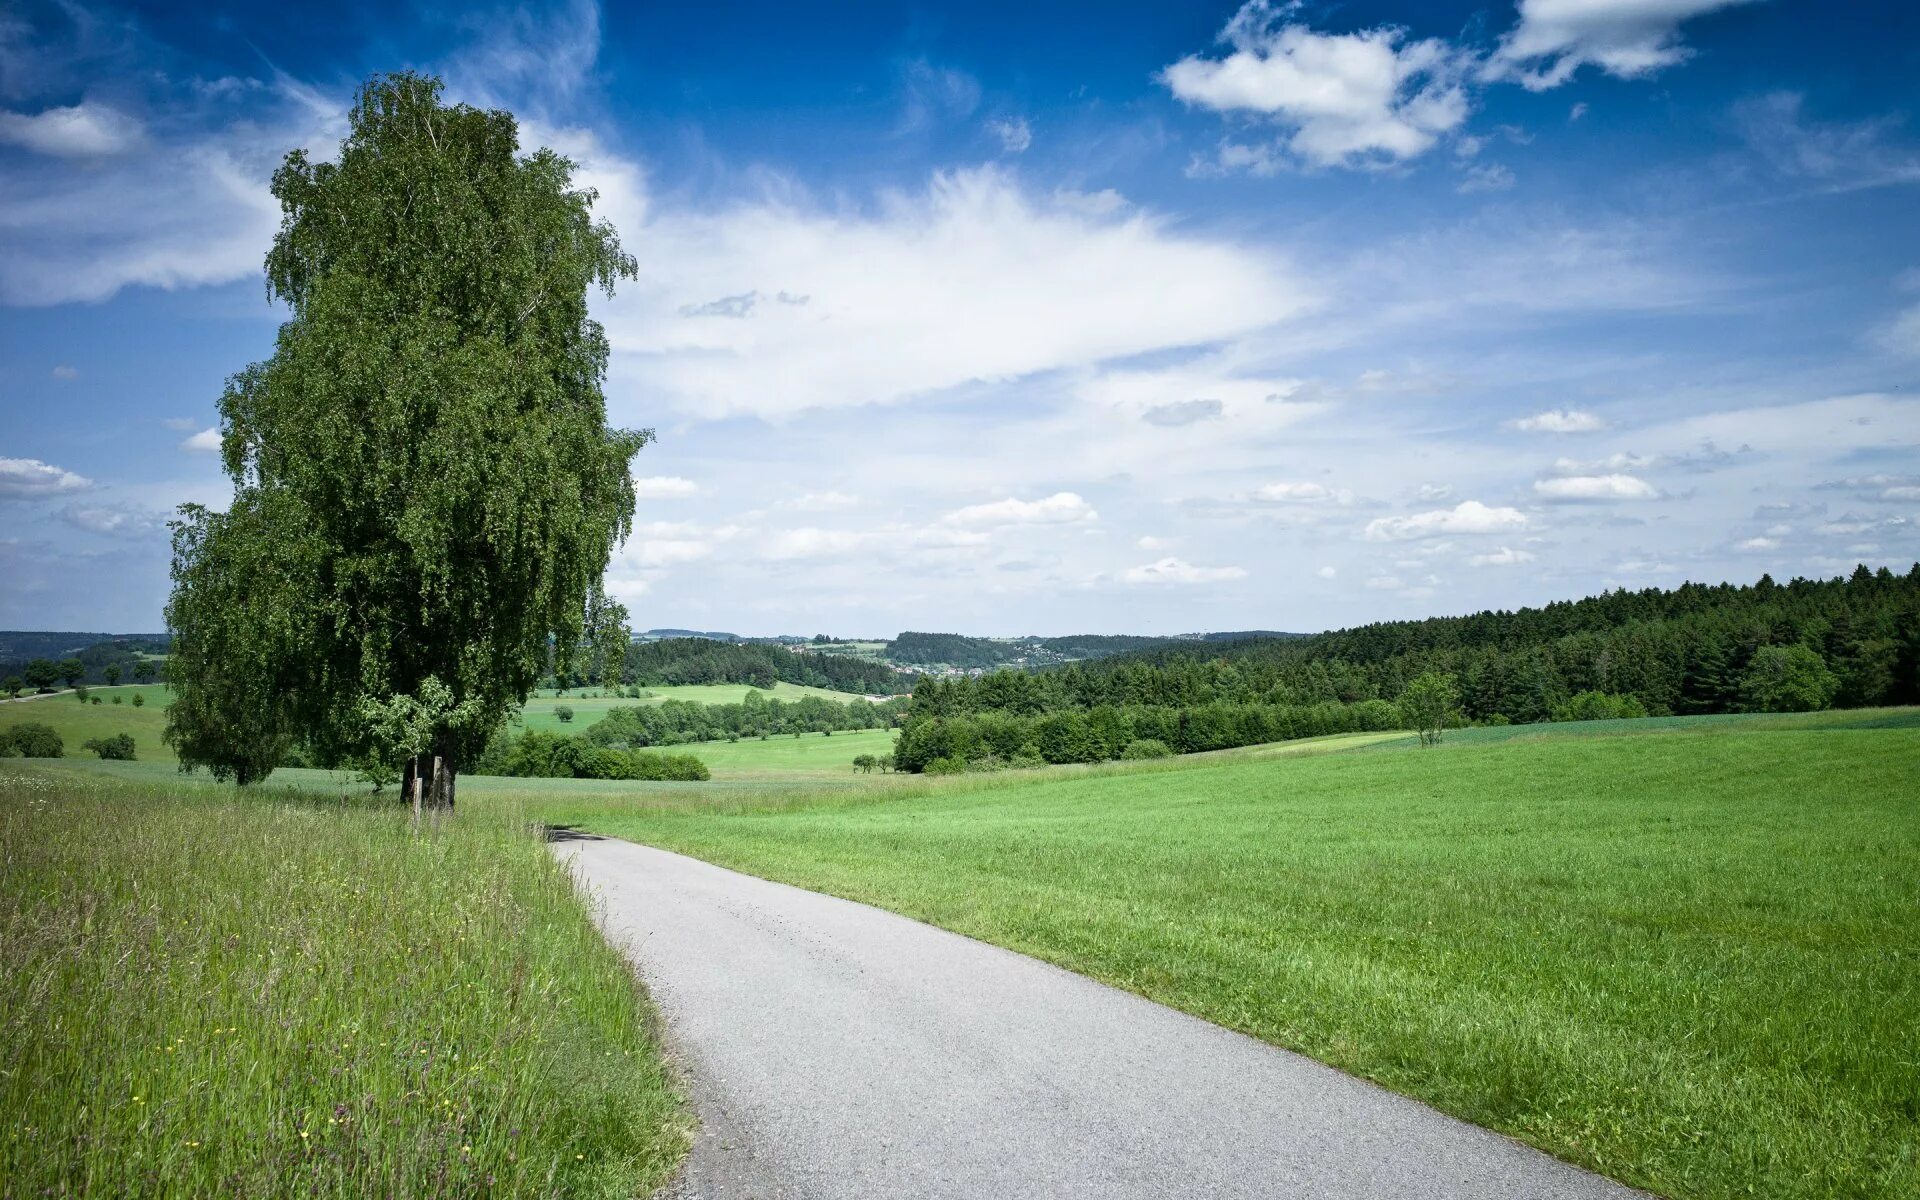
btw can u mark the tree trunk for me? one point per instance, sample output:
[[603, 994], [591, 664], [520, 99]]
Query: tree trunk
[[440, 795]]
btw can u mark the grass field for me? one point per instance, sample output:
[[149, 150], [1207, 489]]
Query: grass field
[[77, 721], [1688, 960], [206, 993]]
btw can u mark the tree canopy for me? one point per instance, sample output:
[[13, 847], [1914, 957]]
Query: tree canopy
[[426, 484]]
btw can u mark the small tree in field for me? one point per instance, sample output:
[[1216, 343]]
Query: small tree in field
[[1787, 679], [1428, 704], [14, 686], [138, 700], [111, 672], [426, 488], [72, 671], [42, 674], [143, 671], [865, 763], [564, 712]]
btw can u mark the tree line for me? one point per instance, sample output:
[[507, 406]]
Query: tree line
[[680, 722], [1807, 644], [673, 661]]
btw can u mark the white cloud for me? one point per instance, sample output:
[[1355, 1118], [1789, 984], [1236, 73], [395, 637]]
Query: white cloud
[[1149, 542], [1578, 110], [65, 373], [1302, 493], [1840, 155], [1385, 583], [1759, 543], [828, 501], [1561, 420], [1177, 571], [85, 130], [1595, 487], [207, 441], [1469, 516], [1625, 38], [1014, 133], [1485, 177], [1620, 461], [1061, 508], [115, 521], [1326, 572], [1503, 557], [973, 280], [1347, 99], [31, 479], [663, 487], [1901, 335], [1434, 492]]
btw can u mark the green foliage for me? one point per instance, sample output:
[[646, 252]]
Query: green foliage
[[426, 487], [535, 754], [138, 700], [678, 661], [143, 671], [945, 765], [72, 670], [1599, 706], [41, 674], [218, 995], [30, 739], [14, 686], [111, 673], [1429, 704], [563, 712], [119, 746], [1787, 679], [1142, 748]]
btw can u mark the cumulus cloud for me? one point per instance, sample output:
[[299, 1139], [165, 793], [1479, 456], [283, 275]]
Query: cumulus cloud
[[1505, 556], [31, 479], [85, 130], [1302, 493], [663, 487], [1627, 39], [115, 521], [1469, 516], [1177, 571], [1560, 420], [1595, 487], [1014, 133], [1183, 412], [828, 501], [1344, 99], [974, 279], [207, 441], [1061, 508]]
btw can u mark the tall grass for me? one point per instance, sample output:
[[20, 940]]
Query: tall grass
[[203, 992]]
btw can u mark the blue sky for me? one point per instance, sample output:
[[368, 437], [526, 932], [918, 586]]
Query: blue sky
[[1054, 318]]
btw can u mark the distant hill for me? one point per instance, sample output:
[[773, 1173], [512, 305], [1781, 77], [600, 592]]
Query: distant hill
[[655, 635], [96, 650]]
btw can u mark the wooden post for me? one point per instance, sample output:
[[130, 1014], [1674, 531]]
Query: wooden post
[[413, 768]]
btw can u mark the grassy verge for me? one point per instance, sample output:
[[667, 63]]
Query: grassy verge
[[207, 993], [1689, 960]]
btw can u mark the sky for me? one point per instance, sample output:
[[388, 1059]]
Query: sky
[[1051, 318]]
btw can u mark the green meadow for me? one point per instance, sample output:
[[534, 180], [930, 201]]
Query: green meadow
[[209, 992], [78, 721], [1680, 952]]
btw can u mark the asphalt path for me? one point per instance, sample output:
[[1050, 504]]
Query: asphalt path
[[836, 1050]]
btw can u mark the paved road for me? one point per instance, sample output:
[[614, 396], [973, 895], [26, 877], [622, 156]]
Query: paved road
[[836, 1050]]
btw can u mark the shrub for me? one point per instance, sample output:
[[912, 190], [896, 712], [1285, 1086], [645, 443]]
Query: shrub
[[1140, 748], [948, 765], [1787, 679], [119, 746], [30, 739], [96, 699], [116, 698], [564, 712], [1027, 760], [1599, 706], [138, 700]]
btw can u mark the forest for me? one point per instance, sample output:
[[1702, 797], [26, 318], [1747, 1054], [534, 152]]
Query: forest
[[701, 660], [1807, 644]]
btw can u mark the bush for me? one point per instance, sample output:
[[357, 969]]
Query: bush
[[32, 740], [948, 765], [1027, 760], [119, 746], [1787, 679], [564, 712], [1599, 706], [96, 699], [537, 755], [116, 698], [138, 700], [1141, 748]]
